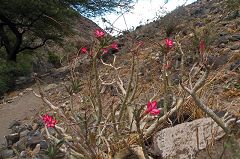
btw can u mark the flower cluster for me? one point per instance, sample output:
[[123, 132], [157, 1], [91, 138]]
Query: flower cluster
[[169, 43], [152, 108], [113, 46], [84, 50], [99, 33], [49, 121]]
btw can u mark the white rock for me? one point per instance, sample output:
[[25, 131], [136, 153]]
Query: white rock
[[50, 86], [29, 89], [184, 140]]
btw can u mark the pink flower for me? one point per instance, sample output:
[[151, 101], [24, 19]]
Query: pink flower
[[167, 65], [140, 43], [202, 47], [99, 33], [105, 50], [84, 50], [115, 46], [49, 121], [152, 108], [169, 43]]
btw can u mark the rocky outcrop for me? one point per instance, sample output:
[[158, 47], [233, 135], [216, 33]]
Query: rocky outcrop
[[185, 140]]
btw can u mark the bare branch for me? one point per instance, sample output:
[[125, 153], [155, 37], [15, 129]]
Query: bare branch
[[206, 109], [46, 101], [155, 126], [200, 83]]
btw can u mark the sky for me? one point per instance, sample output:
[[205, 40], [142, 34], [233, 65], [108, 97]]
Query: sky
[[143, 12]]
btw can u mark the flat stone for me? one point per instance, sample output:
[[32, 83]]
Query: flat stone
[[23, 80], [217, 62], [235, 37], [21, 145], [231, 38], [9, 100], [185, 140], [222, 45], [223, 33], [232, 15], [50, 86], [222, 40], [29, 89], [235, 47], [6, 153], [14, 123], [24, 133], [23, 154], [15, 129], [235, 65], [43, 144], [11, 139], [34, 140]]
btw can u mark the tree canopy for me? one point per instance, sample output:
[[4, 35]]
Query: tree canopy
[[29, 24]]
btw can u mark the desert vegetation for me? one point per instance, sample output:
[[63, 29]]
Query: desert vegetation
[[120, 92]]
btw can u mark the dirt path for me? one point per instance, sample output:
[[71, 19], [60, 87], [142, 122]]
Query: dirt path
[[22, 108]]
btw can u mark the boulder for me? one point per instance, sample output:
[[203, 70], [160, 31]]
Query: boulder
[[185, 140]]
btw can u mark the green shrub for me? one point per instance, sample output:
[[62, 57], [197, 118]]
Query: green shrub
[[24, 64], [54, 59], [10, 71], [6, 76], [3, 86]]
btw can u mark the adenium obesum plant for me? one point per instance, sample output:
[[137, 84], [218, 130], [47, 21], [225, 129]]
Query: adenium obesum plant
[[202, 47], [152, 108], [49, 121], [167, 66], [105, 50], [99, 33], [84, 50], [115, 46], [169, 43], [140, 43]]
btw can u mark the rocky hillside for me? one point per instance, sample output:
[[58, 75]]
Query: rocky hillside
[[216, 22]]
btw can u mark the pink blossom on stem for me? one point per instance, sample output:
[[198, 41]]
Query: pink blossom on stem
[[99, 33], [49, 121], [140, 43], [105, 50], [152, 108], [169, 43], [115, 46], [202, 47], [84, 50], [167, 65]]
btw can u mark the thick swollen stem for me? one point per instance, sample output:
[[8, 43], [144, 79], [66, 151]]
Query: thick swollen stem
[[141, 138], [99, 102], [165, 80], [124, 104]]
